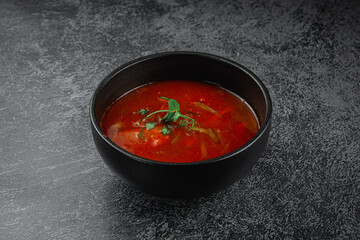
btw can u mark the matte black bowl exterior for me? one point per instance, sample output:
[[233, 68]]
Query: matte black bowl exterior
[[182, 180]]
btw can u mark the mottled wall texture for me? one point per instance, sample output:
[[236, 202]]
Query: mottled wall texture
[[53, 183]]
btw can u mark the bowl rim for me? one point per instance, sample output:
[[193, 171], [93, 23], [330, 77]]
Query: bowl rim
[[260, 132]]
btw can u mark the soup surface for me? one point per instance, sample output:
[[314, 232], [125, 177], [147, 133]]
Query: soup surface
[[179, 121]]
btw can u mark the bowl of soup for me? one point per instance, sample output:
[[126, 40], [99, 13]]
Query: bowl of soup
[[181, 124]]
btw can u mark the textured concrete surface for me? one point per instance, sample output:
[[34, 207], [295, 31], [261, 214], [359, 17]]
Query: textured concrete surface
[[53, 184]]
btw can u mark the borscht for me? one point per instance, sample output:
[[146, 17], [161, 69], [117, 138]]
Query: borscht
[[179, 121]]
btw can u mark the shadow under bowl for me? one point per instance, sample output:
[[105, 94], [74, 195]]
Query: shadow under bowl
[[182, 180]]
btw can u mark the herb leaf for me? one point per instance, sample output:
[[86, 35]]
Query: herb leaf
[[173, 105], [176, 116], [144, 111], [150, 125], [168, 117], [165, 130]]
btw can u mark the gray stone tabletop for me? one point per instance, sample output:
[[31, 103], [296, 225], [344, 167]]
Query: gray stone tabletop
[[53, 183]]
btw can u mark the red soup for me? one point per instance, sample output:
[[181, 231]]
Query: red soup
[[179, 121]]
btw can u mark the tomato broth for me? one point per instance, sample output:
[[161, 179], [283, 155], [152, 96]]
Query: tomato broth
[[208, 121]]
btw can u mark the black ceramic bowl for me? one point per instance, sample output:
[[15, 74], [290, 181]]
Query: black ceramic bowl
[[181, 180]]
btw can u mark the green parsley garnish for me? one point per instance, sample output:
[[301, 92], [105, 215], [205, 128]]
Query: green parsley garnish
[[165, 130], [150, 125], [144, 111], [172, 115]]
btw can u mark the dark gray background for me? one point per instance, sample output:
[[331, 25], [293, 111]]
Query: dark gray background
[[53, 184]]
